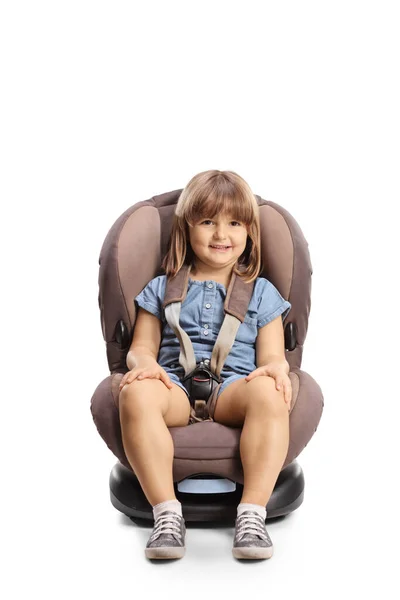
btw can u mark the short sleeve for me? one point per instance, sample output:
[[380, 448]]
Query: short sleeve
[[271, 304], [150, 297]]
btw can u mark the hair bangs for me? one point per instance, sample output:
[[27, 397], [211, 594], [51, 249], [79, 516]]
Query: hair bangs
[[220, 200]]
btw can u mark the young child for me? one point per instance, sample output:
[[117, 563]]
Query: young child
[[216, 230]]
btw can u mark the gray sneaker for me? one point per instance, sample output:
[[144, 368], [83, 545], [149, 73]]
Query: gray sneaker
[[251, 537], [168, 537]]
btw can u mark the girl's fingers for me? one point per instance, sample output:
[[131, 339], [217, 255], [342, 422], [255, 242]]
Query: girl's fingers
[[287, 397], [165, 379], [125, 380], [286, 387], [163, 376], [167, 382], [288, 394]]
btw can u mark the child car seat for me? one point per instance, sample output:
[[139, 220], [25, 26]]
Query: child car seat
[[207, 469]]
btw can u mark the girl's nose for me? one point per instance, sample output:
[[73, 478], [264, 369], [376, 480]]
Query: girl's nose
[[221, 230]]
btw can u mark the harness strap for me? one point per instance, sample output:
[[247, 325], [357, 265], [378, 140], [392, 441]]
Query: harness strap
[[224, 343], [187, 358], [236, 304], [205, 412]]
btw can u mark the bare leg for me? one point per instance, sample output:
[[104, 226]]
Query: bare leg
[[147, 409], [259, 408], [264, 444]]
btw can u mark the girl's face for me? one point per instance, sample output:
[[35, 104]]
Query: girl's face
[[221, 230]]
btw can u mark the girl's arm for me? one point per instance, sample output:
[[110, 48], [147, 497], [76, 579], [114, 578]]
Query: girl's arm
[[146, 339], [270, 345]]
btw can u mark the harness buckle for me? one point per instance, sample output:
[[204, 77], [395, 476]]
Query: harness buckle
[[200, 384]]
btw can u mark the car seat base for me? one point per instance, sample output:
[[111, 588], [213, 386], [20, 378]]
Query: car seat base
[[128, 497]]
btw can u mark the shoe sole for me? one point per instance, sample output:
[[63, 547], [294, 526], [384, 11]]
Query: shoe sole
[[254, 552], [165, 552]]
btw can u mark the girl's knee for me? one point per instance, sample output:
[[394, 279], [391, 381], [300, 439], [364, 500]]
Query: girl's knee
[[146, 394], [264, 397]]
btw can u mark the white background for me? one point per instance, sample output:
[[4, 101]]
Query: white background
[[104, 104]]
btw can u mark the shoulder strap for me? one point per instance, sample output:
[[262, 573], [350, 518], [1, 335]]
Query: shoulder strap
[[238, 294], [237, 300]]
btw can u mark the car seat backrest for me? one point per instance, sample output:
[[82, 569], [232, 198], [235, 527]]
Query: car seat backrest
[[135, 245]]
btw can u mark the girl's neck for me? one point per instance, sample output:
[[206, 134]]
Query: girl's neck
[[223, 278]]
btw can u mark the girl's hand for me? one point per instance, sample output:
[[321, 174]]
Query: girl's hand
[[149, 372], [282, 380]]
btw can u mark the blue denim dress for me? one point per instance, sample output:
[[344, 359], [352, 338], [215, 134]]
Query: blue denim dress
[[201, 317]]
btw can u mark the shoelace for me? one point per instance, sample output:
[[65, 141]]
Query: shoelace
[[251, 522], [167, 523]]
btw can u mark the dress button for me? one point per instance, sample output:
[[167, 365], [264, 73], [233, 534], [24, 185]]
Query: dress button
[[206, 326], [208, 305], [205, 332], [210, 285]]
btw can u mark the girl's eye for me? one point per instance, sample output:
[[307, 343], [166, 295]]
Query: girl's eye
[[210, 221]]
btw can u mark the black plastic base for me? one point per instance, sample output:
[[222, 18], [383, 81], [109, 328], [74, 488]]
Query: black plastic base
[[127, 496]]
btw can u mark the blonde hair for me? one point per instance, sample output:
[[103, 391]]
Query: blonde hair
[[207, 194]]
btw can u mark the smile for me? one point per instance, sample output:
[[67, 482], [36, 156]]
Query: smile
[[220, 248]]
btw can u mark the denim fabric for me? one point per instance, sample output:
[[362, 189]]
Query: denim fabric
[[201, 316]]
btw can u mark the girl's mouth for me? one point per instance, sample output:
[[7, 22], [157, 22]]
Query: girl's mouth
[[221, 248]]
